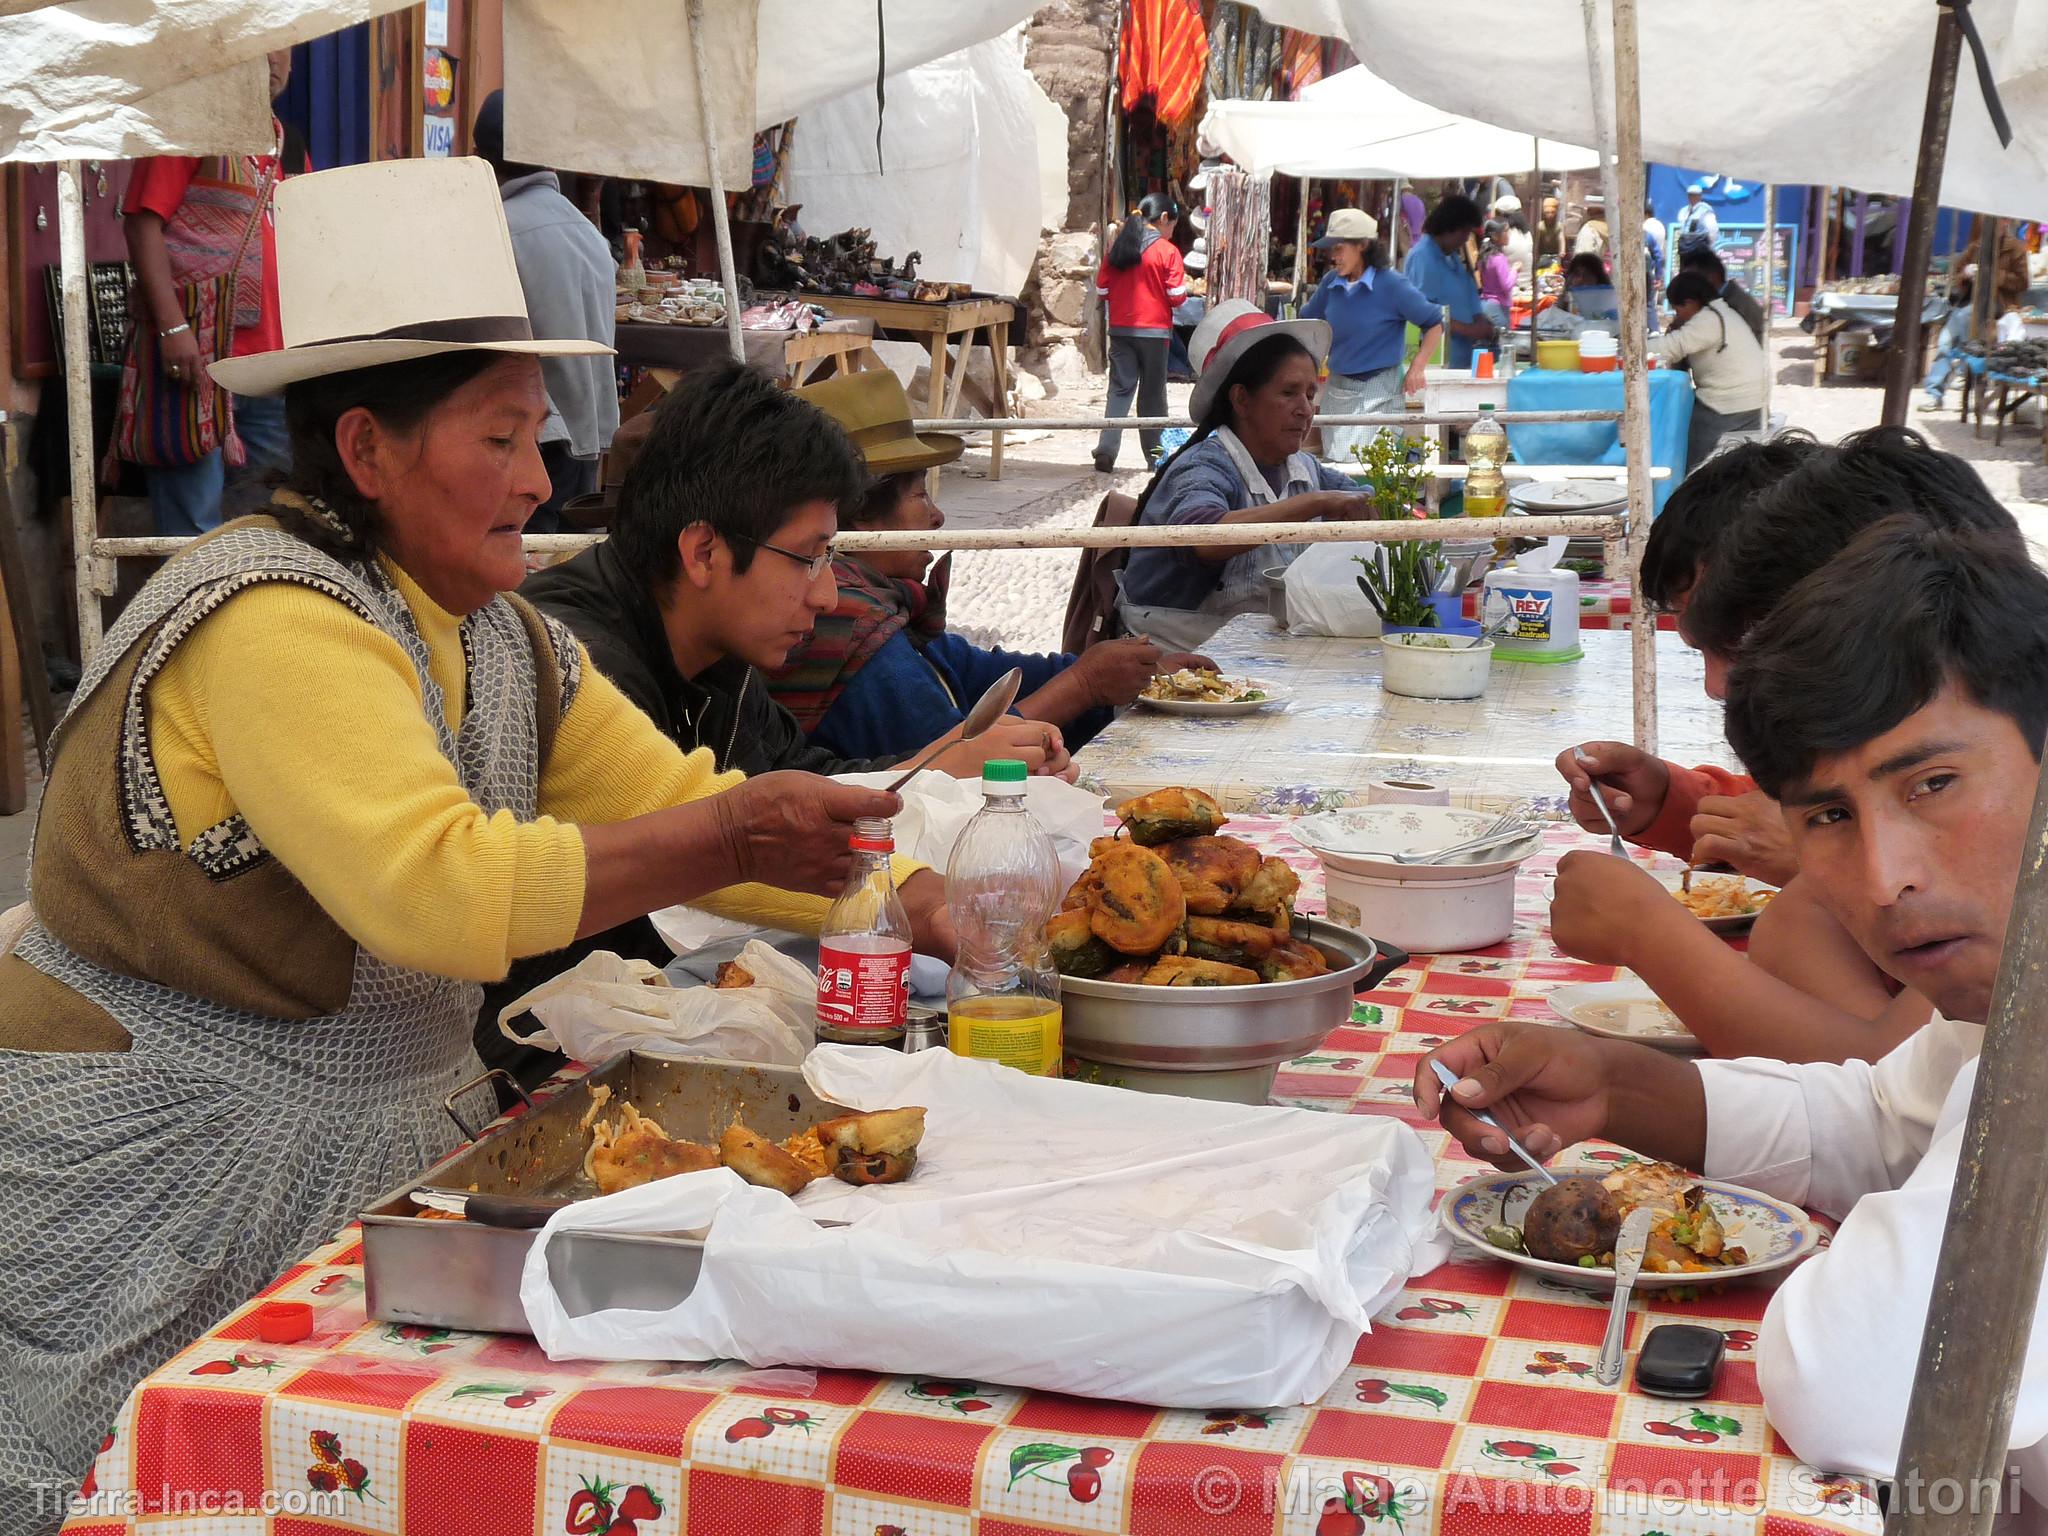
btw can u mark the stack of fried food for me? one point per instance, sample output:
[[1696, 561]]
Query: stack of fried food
[[879, 1147], [1174, 905]]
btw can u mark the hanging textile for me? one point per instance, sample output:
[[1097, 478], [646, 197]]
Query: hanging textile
[[1240, 228], [1223, 30], [1303, 52], [1161, 57]]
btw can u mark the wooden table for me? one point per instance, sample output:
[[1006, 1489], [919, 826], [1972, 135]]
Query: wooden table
[[942, 327], [787, 356], [2006, 393]]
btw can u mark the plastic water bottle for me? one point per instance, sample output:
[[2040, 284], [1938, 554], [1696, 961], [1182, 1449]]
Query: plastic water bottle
[[1003, 998], [864, 948], [1486, 449]]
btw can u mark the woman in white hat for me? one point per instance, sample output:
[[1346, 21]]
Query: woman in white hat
[[321, 779], [1369, 307], [1253, 402]]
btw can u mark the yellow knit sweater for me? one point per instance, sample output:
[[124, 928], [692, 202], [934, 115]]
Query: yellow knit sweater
[[287, 707]]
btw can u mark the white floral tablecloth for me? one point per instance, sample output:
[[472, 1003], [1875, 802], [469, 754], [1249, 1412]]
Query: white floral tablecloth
[[1340, 732]]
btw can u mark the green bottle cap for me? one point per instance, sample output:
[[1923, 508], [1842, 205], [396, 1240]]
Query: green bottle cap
[[1002, 770], [1486, 405]]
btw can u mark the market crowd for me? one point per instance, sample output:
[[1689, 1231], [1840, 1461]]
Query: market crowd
[[345, 776]]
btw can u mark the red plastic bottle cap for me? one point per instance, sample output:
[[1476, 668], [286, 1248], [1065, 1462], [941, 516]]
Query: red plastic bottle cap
[[284, 1322]]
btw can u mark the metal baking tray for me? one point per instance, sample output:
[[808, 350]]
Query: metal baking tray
[[463, 1274]]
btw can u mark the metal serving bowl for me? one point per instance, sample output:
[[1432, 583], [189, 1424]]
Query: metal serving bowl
[[1214, 1029]]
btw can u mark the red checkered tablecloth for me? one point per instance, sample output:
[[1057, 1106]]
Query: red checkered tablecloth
[[1604, 603], [1469, 1408]]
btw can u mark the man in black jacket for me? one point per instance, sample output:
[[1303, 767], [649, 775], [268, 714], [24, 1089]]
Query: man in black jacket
[[1710, 266], [718, 563]]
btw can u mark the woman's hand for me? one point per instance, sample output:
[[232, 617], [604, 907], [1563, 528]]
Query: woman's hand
[[181, 360], [1035, 743], [792, 830], [1114, 672]]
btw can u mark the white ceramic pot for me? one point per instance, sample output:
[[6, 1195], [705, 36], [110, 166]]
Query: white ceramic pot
[[1427, 916], [1435, 666], [1405, 792]]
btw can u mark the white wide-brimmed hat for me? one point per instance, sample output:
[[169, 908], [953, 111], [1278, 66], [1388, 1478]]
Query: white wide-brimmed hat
[[1348, 224], [388, 261], [1232, 329]]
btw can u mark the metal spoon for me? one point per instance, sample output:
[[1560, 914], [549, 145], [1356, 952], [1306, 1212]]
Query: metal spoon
[[988, 709], [1614, 843], [1449, 1079]]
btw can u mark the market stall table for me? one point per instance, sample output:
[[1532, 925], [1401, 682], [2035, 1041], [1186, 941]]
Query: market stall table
[[1472, 1396], [1599, 442], [2007, 392], [1339, 732], [781, 353], [940, 326]]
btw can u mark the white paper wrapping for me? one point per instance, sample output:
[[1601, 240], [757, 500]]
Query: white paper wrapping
[[1059, 1236]]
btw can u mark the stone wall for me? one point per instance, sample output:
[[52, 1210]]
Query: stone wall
[[1070, 49]]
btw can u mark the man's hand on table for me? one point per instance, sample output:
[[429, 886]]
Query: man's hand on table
[[1604, 909], [1747, 833], [1633, 781], [1552, 1088]]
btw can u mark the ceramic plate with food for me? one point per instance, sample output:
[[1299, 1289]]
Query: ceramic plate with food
[[1726, 903], [1705, 1232], [1622, 1010], [1361, 840], [1208, 694]]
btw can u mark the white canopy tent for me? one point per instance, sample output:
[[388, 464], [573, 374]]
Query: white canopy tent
[[1825, 92], [1355, 124]]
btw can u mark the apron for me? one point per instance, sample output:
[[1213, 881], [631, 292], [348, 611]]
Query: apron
[[1241, 588], [1351, 395], [153, 1190]]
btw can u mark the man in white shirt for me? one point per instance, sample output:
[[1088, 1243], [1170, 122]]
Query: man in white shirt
[[1895, 704], [1697, 226]]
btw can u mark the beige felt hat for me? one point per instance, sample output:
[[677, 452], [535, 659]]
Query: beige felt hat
[[1348, 224], [388, 261]]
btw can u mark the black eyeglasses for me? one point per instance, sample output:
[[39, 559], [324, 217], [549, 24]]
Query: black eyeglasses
[[814, 565]]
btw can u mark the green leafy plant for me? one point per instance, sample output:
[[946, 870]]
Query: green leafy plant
[[1400, 576]]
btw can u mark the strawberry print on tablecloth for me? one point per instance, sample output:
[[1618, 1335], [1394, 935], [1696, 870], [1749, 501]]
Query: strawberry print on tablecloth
[[349, 1456], [951, 1399], [588, 1493], [1323, 1496], [791, 1437]]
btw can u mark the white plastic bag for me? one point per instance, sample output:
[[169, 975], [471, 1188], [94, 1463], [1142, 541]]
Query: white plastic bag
[[935, 807], [1323, 597], [605, 1005], [1059, 1236]]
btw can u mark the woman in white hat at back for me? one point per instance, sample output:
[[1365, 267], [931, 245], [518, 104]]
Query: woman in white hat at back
[[322, 778], [1369, 307], [1253, 401]]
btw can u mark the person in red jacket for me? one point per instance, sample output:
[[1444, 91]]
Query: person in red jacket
[[1753, 522], [1142, 279]]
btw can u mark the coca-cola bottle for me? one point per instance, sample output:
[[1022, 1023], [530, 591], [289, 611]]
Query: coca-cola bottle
[[864, 948]]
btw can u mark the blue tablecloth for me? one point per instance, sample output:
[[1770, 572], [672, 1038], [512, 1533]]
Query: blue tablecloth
[[1599, 442]]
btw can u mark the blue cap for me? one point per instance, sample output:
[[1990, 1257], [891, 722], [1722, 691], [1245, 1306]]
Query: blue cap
[[1699, 187]]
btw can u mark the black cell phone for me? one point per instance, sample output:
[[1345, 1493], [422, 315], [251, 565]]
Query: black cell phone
[[1680, 1360]]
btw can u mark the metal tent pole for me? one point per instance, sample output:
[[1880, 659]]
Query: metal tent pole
[[720, 224], [1904, 372], [1627, 174], [1603, 120], [1974, 1348], [86, 568], [1770, 295]]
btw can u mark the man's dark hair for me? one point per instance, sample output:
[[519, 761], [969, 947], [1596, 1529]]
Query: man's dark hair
[[487, 138], [732, 449], [1793, 527], [1589, 265], [1705, 504], [1702, 259], [1872, 636], [1456, 214], [1692, 288]]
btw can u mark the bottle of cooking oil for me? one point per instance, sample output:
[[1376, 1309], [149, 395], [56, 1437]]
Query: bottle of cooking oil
[[1486, 450], [1003, 998]]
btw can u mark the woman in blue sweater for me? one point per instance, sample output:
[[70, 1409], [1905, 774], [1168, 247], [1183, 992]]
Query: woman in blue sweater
[[881, 674]]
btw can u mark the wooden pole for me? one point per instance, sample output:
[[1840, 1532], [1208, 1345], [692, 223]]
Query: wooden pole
[[1606, 93], [86, 569], [1904, 372], [1635, 344], [721, 224], [1301, 243], [1983, 300], [1770, 293], [1974, 1347]]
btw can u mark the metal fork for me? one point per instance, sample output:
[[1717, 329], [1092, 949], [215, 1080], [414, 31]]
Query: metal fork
[[1615, 845]]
